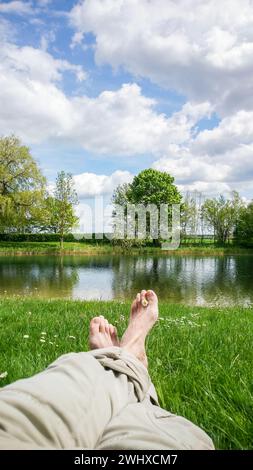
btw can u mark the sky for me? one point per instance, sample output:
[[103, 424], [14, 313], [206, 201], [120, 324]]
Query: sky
[[106, 88]]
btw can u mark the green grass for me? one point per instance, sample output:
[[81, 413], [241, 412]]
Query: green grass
[[200, 359], [32, 248]]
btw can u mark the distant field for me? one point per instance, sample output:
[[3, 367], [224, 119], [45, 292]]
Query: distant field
[[30, 248], [200, 359]]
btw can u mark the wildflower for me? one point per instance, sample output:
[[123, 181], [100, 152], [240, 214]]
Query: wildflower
[[72, 337], [42, 340], [43, 333], [55, 336], [50, 342], [26, 336], [3, 375]]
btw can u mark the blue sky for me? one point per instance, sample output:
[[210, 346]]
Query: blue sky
[[106, 88]]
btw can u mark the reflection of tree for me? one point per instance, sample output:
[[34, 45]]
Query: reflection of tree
[[46, 275], [177, 279], [232, 281], [162, 274], [185, 279]]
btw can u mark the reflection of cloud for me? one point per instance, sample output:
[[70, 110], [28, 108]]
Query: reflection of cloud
[[94, 284]]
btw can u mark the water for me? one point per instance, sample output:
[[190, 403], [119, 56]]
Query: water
[[192, 280]]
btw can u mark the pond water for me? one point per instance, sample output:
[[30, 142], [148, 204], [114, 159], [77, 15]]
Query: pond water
[[192, 280]]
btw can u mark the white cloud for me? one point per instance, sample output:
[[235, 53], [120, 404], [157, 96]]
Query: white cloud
[[124, 122], [16, 7], [203, 49], [91, 184], [215, 160], [33, 64], [121, 122]]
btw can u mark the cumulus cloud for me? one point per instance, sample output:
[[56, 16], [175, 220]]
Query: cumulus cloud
[[121, 122], [215, 160], [91, 184], [201, 49]]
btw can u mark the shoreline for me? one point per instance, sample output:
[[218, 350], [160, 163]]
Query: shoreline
[[97, 251]]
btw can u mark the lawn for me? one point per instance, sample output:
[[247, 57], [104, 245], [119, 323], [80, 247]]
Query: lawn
[[200, 359]]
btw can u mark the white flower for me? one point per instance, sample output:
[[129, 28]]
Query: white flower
[[72, 337], [42, 340], [43, 333], [50, 342], [55, 336], [3, 375], [26, 336]]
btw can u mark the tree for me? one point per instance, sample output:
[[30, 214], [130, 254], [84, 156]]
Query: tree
[[149, 187], [244, 226], [222, 215], [153, 187], [65, 197], [120, 195], [22, 185], [188, 217]]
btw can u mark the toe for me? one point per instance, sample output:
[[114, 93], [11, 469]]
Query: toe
[[111, 327], [102, 325], [143, 295], [134, 306], [151, 296], [94, 325], [114, 335], [107, 327]]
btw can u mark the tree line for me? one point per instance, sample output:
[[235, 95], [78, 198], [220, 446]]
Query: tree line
[[26, 205]]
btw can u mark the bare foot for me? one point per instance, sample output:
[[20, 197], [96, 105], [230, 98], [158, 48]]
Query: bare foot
[[102, 334], [144, 314]]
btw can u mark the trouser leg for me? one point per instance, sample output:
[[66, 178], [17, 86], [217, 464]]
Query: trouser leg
[[144, 425], [70, 403]]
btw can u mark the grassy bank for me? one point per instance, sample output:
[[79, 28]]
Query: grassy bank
[[34, 248], [199, 359]]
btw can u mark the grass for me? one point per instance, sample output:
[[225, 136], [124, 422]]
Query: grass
[[200, 359], [33, 248]]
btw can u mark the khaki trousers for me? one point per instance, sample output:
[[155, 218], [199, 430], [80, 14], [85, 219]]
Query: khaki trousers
[[102, 399]]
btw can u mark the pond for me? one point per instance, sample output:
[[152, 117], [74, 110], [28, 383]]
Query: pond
[[192, 280]]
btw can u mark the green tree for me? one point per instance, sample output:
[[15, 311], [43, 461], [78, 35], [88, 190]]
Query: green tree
[[222, 215], [65, 198], [189, 212], [149, 187], [153, 187], [22, 186], [244, 227]]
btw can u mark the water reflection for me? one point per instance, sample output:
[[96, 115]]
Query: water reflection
[[177, 279]]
